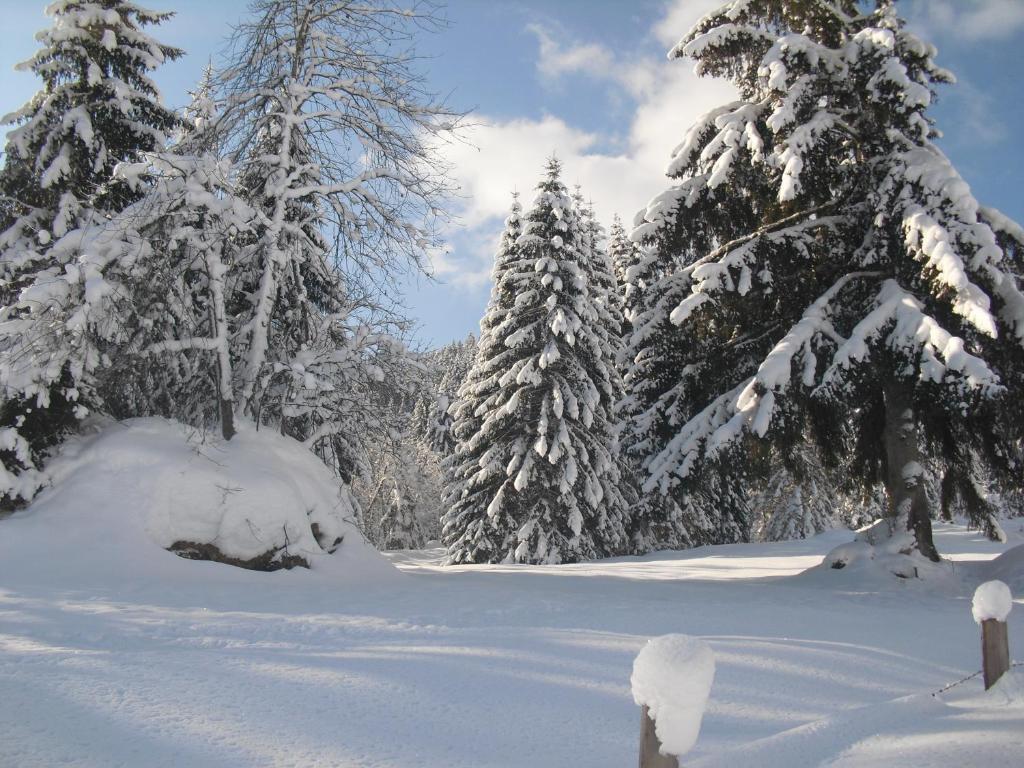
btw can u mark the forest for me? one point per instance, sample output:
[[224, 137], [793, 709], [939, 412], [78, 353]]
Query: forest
[[809, 346]]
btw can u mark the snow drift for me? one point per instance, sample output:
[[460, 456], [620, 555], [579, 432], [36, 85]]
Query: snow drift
[[261, 501]]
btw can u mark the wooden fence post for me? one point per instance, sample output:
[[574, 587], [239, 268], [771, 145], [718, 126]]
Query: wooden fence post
[[995, 650], [650, 754]]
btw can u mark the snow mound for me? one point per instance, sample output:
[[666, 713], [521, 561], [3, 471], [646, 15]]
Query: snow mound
[[992, 600], [672, 677], [1009, 568], [121, 494], [876, 552], [1008, 691]]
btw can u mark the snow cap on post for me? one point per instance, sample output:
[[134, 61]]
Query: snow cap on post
[[672, 677], [992, 600]]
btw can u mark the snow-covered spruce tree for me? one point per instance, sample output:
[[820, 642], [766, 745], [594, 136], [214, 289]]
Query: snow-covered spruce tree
[[604, 287], [465, 486], [332, 130], [661, 518], [824, 260], [59, 269], [534, 478], [795, 502], [656, 521], [681, 513], [625, 256], [448, 367]]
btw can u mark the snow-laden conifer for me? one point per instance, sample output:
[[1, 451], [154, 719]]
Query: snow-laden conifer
[[822, 258], [798, 499], [62, 264], [625, 257], [466, 487], [447, 369], [534, 477], [601, 278], [654, 360]]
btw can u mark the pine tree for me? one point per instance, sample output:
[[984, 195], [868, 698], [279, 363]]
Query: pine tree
[[625, 256], [798, 499], [603, 285], [658, 368], [534, 477], [823, 260], [432, 418], [60, 263], [656, 521], [466, 487]]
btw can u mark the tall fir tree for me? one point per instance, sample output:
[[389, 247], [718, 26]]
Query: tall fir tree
[[60, 267], [625, 257], [823, 260], [656, 521], [535, 477], [479, 537], [604, 287], [797, 499]]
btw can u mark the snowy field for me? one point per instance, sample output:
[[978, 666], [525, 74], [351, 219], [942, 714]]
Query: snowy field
[[152, 660]]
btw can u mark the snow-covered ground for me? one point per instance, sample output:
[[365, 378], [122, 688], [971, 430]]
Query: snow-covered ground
[[114, 652], [200, 664]]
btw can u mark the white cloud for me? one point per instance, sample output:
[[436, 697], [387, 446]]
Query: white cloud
[[500, 157], [555, 61], [679, 17], [960, 24], [968, 21]]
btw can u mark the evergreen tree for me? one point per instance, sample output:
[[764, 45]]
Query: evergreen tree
[[466, 487], [797, 501], [432, 418], [822, 259], [625, 256], [409, 499], [656, 521], [670, 513], [534, 477], [61, 265]]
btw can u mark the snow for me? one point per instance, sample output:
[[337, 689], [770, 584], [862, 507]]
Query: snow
[[992, 600], [672, 677], [165, 662], [1009, 568], [123, 494]]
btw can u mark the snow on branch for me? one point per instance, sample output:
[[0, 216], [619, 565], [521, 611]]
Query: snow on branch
[[940, 357], [947, 229], [749, 407], [710, 274]]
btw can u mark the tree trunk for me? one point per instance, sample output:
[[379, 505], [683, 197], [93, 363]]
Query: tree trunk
[[905, 474], [219, 330]]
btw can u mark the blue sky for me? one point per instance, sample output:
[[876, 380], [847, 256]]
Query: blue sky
[[588, 79]]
